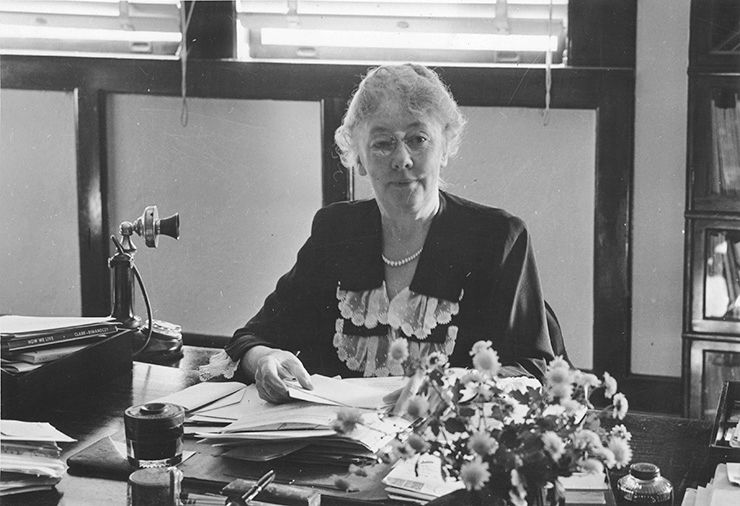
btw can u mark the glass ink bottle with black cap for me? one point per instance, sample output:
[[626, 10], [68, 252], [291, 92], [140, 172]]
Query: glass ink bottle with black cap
[[645, 485]]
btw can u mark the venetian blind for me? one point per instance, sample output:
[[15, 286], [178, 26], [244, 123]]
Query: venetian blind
[[466, 32], [98, 27]]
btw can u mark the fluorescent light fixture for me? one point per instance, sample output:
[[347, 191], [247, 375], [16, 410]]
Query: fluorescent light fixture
[[407, 40], [61, 33]]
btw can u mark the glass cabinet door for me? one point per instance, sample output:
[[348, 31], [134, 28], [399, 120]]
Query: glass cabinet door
[[715, 145], [715, 33], [721, 280], [716, 276]]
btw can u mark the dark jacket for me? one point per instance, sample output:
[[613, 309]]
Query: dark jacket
[[474, 254]]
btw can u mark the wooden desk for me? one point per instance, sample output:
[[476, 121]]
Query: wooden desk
[[93, 415], [680, 447]]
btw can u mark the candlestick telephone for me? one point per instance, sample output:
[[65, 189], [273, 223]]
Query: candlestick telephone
[[154, 340]]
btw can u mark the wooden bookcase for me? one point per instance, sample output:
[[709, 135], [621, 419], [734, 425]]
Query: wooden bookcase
[[711, 328]]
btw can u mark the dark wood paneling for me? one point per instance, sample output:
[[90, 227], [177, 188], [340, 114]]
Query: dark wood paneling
[[602, 33], [92, 202], [706, 17], [337, 180], [212, 29]]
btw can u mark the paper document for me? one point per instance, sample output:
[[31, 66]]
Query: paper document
[[420, 477], [267, 435], [290, 416], [720, 491], [339, 392], [14, 430], [16, 324], [724, 492]]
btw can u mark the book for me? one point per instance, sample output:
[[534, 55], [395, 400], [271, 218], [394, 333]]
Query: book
[[43, 355], [14, 343], [585, 488]]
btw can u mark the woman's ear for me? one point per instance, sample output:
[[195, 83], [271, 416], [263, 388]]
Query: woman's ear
[[361, 170]]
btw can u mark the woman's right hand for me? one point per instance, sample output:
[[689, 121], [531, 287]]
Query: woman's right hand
[[270, 367]]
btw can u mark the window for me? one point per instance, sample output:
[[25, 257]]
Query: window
[[96, 27], [430, 31]]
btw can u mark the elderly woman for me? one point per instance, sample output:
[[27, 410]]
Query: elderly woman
[[415, 263]]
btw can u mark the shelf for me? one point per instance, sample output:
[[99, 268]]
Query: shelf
[[711, 326]]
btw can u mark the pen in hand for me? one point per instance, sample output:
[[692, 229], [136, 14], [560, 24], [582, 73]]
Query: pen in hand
[[254, 490]]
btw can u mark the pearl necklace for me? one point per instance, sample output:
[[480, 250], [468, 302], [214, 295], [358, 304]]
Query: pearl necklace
[[403, 261]]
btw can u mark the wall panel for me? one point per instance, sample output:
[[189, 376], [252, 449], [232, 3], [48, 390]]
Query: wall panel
[[40, 259], [245, 176]]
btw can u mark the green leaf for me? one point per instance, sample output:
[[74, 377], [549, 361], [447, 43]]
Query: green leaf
[[455, 426]]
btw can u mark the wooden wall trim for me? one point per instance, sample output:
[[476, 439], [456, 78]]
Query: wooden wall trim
[[92, 202], [602, 33], [337, 180]]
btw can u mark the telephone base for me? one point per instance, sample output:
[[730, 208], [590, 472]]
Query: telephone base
[[163, 348]]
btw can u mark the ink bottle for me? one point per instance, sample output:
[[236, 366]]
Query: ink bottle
[[154, 434], [645, 485]]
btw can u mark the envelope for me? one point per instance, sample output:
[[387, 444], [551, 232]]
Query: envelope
[[205, 394]]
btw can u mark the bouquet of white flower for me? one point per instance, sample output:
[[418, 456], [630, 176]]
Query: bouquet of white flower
[[511, 438]]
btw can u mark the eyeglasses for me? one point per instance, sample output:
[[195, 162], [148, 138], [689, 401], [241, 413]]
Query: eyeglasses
[[385, 145]]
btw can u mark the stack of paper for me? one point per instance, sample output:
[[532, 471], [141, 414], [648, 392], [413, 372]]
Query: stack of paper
[[31, 459], [248, 428], [722, 490], [419, 480], [28, 342]]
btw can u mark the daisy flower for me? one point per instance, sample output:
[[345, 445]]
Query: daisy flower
[[480, 346], [553, 445], [611, 385], [607, 456], [588, 380], [559, 382], [487, 362], [585, 438], [418, 407], [483, 444], [417, 443], [474, 474], [435, 359], [399, 350], [622, 452], [593, 466], [620, 406], [559, 363], [621, 432], [347, 419]]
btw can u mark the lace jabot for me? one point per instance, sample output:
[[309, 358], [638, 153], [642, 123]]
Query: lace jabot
[[408, 315]]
